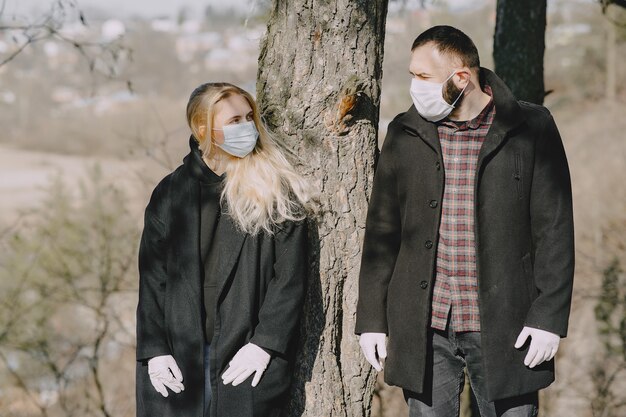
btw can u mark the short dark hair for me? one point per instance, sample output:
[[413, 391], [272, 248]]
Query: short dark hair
[[451, 41]]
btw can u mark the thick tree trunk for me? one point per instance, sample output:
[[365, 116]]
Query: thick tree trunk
[[318, 87], [518, 47]]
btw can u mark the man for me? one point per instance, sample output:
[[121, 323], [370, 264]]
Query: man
[[468, 255]]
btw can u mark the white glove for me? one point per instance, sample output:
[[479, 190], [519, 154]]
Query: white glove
[[164, 372], [543, 345], [372, 343], [249, 360]]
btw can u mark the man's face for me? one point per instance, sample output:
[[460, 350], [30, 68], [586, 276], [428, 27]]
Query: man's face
[[428, 64]]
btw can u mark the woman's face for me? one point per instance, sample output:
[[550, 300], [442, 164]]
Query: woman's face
[[230, 110]]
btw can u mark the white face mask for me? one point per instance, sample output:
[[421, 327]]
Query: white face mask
[[428, 99], [239, 138]]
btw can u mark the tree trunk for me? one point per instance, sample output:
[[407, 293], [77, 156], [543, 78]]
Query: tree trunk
[[318, 88], [519, 45]]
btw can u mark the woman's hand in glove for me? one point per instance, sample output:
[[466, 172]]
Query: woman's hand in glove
[[164, 372], [250, 359]]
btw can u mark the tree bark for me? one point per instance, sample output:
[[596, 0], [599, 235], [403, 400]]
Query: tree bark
[[519, 44], [318, 88]]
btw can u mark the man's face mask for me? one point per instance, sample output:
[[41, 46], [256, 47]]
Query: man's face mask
[[239, 138], [428, 99]]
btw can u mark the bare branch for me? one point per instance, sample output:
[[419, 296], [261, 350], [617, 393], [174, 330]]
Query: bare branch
[[21, 383], [50, 26]]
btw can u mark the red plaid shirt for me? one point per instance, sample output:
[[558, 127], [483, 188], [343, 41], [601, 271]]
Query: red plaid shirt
[[456, 280]]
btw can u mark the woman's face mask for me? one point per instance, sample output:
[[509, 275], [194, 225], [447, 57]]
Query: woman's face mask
[[239, 138]]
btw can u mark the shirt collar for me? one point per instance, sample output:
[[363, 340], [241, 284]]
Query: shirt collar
[[477, 121]]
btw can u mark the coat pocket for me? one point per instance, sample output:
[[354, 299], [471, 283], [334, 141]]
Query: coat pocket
[[529, 276], [517, 175]]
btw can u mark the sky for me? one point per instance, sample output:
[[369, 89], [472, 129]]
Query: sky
[[128, 8], [158, 8], [152, 8]]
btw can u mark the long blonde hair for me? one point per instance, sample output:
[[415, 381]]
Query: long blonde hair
[[261, 189]]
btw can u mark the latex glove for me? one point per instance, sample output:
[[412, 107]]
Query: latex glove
[[250, 359], [164, 372], [543, 345], [372, 343]]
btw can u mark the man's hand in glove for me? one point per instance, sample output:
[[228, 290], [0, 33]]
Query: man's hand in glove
[[374, 348], [543, 345]]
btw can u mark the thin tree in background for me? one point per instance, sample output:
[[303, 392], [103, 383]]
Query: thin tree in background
[[21, 32], [518, 47], [612, 23], [67, 288], [320, 68], [607, 3]]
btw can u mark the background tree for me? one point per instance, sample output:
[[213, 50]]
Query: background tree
[[608, 397], [67, 286], [518, 47], [606, 3], [615, 20], [101, 56], [318, 86]]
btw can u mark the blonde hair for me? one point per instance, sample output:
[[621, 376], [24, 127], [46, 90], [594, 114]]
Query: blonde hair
[[261, 189]]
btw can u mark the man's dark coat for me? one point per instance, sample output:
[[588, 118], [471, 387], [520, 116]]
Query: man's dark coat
[[260, 291], [524, 238]]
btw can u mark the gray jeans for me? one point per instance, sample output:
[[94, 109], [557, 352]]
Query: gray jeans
[[451, 352], [207, 380]]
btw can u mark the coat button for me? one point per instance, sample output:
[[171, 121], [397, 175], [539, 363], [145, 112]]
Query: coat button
[[423, 284], [433, 203], [438, 165], [428, 244]]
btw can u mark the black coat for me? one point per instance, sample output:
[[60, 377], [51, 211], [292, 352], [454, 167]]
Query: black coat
[[261, 283], [524, 236]]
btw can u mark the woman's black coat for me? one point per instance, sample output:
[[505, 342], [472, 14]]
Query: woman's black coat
[[524, 238], [260, 291]]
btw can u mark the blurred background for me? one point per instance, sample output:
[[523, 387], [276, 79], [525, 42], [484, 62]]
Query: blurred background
[[92, 109]]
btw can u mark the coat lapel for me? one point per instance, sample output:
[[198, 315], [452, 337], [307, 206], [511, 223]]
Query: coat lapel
[[228, 243], [227, 250], [186, 225], [415, 125], [495, 136], [509, 115]]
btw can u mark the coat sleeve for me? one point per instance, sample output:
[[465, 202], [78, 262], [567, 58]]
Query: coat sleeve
[[381, 243], [282, 306], [151, 337], [552, 227]]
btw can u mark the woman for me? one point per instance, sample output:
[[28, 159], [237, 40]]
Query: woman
[[222, 265]]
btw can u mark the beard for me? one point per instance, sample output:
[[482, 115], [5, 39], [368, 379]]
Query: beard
[[451, 92]]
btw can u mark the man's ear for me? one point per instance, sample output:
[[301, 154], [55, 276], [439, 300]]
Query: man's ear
[[462, 78]]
